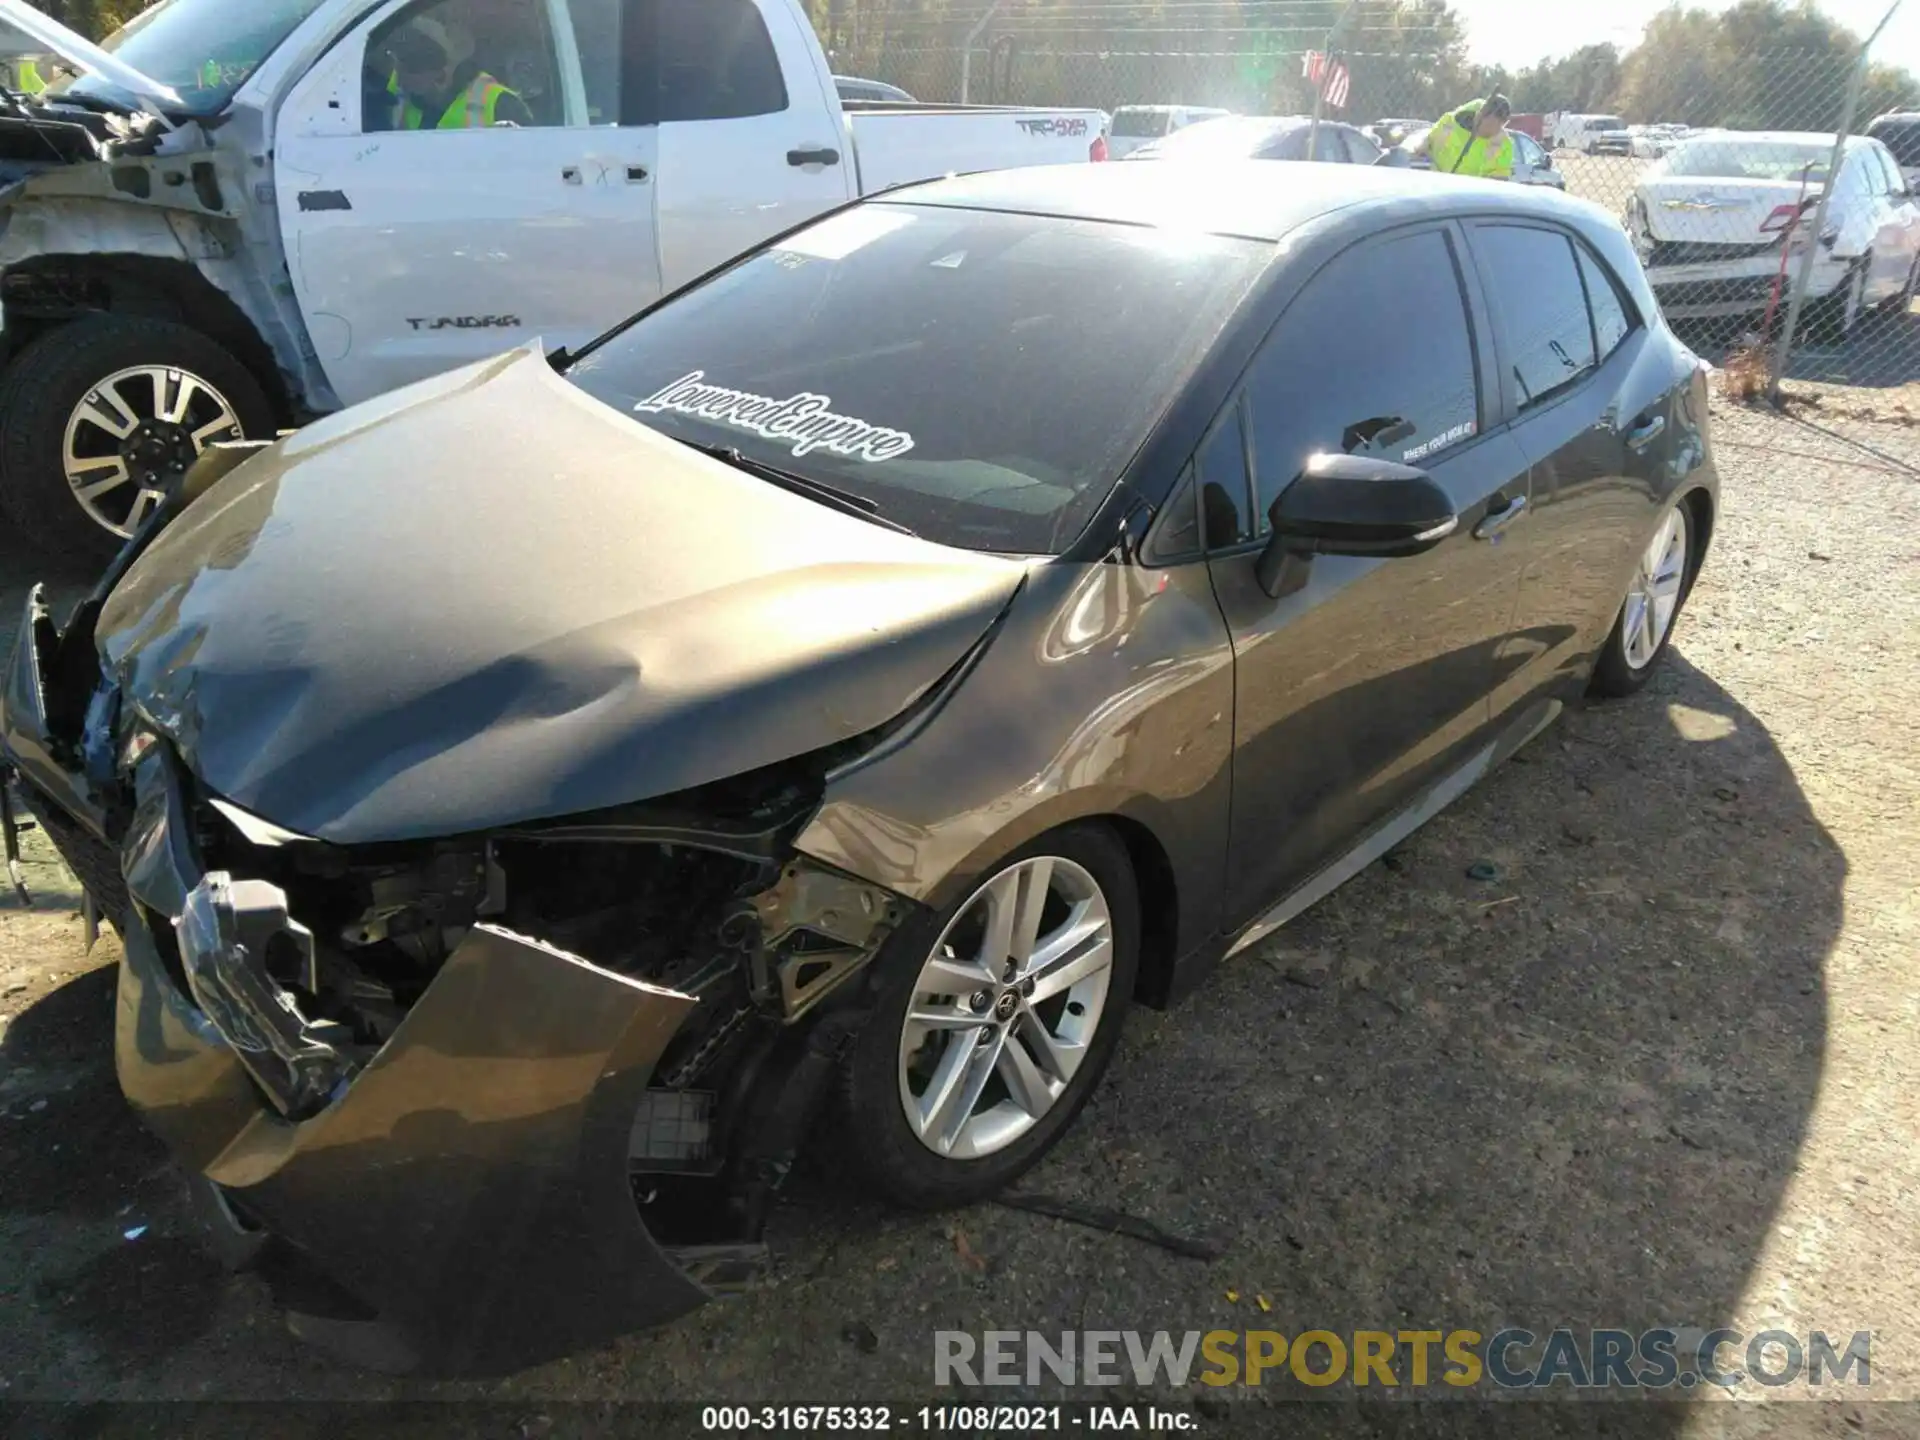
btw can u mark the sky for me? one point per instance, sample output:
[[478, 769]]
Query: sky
[[1515, 33]]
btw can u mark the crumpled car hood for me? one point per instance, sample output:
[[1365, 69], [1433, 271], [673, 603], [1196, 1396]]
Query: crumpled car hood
[[488, 598]]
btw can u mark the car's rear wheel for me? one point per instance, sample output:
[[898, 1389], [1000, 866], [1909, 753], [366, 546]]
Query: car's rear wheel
[[98, 418], [993, 1022], [1644, 627], [1900, 302], [1834, 318]]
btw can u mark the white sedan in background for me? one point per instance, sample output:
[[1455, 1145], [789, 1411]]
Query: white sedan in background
[[1713, 219], [1650, 142]]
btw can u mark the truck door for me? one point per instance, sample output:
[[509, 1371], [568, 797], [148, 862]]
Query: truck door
[[418, 242], [752, 140]]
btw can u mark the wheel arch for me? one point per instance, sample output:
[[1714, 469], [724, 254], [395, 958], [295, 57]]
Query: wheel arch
[[1700, 520], [45, 292], [1155, 878]]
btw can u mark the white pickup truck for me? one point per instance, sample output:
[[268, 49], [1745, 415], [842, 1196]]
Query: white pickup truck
[[234, 215]]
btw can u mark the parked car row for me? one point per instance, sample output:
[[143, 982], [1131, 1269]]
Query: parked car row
[[1723, 216]]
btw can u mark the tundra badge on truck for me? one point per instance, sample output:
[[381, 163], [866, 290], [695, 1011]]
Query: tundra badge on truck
[[466, 322]]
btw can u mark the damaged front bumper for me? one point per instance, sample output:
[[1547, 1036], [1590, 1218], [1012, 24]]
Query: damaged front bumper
[[468, 1190]]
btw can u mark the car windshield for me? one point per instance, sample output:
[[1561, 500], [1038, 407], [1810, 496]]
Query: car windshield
[[1224, 138], [204, 49], [1750, 159], [1606, 122], [1130, 122], [980, 377]]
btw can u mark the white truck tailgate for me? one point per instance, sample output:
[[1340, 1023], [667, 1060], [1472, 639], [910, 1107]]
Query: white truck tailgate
[[898, 147]]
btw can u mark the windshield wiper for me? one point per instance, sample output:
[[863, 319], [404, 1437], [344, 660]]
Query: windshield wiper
[[818, 490]]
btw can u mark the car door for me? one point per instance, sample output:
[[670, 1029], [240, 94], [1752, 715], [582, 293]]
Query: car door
[[1369, 682], [1591, 412], [749, 144], [416, 250]]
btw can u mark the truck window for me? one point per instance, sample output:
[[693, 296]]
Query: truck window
[[462, 64], [717, 61]]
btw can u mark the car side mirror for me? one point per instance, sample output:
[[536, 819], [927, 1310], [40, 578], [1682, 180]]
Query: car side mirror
[[1353, 505]]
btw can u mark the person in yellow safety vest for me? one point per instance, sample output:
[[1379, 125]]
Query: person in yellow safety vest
[[1473, 140], [432, 93], [28, 80]]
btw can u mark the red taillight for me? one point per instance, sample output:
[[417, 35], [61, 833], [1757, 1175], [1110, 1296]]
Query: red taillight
[[1097, 151]]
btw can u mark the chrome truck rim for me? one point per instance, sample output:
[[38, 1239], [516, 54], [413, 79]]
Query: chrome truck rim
[[134, 434], [1005, 1007], [1655, 593]]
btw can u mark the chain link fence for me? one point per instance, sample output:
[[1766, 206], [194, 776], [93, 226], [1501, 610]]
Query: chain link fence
[[1721, 179]]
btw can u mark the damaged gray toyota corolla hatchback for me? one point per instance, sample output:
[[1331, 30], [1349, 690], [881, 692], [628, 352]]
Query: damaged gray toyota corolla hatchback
[[529, 799]]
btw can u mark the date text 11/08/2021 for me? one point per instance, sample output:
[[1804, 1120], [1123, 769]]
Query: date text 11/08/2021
[[945, 1419]]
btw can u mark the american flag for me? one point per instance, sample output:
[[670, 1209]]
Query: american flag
[[1329, 76]]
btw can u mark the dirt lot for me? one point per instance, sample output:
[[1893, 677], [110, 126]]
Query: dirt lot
[[1661, 1070]]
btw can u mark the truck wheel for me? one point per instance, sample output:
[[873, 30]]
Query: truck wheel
[[98, 417]]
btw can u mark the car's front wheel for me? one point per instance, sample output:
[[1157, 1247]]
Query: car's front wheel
[[1644, 627], [100, 417], [994, 1021]]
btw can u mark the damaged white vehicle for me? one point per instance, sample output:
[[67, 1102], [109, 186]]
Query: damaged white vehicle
[[236, 215]]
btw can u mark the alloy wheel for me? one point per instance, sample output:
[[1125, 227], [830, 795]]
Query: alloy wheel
[[1005, 1007], [1655, 592], [134, 434]]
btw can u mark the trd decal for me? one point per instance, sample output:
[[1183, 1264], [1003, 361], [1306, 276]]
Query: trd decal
[[801, 422], [467, 322], [1055, 125]]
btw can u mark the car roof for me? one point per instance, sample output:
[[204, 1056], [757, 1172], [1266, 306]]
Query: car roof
[[1777, 137], [1255, 199]]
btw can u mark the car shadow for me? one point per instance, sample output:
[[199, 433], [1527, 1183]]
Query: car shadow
[[1567, 1093]]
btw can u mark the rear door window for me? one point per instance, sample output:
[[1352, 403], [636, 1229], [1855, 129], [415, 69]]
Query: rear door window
[[1543, 307], [1374, 357]]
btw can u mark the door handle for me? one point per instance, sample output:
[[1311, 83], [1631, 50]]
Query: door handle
[[813, 157], [637, 175], [1498, 520], [571, 175], [1646, 433]]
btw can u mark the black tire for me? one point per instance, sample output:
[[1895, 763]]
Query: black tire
[[1827, 319], [876, 1138], [1614, 676], [48, 380], [1895, 308]]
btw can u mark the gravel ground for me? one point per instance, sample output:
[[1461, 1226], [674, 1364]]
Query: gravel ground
[[1662, 1070]]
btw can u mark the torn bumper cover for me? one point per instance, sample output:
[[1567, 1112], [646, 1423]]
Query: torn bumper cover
[[469, 1185]]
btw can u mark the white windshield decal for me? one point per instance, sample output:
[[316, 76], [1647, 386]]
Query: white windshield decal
[[803, 422]]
